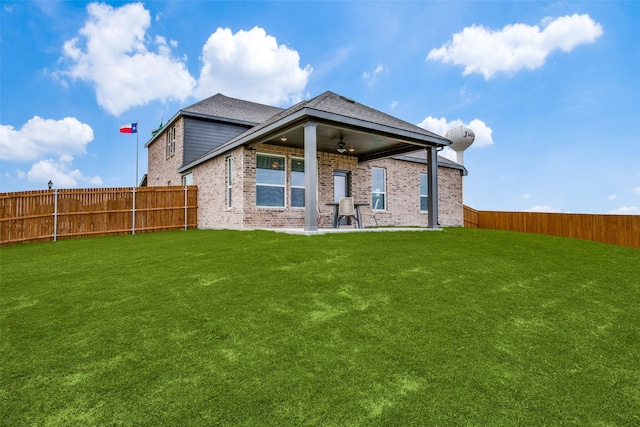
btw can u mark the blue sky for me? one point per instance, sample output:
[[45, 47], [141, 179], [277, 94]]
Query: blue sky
[[551, 89]]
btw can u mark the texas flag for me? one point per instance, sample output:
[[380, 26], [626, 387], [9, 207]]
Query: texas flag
[[130, 128]]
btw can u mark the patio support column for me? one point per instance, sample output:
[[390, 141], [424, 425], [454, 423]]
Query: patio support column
[[310, 177], [432, 187]]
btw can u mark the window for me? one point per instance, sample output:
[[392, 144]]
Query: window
[[187, 179], [424, 193], [170, 139], [297, 182], [229, 181], [378, 188], [270, 180]]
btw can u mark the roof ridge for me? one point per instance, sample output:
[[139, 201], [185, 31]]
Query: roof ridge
[[229, 98], [318, 99]]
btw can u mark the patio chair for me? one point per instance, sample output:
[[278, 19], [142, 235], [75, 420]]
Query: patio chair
[[346, 209]]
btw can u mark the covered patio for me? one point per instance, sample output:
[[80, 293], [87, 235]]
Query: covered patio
[[334, 124]]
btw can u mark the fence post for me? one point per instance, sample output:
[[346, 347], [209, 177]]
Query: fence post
[[133, 211], [186, 212], [55, 215]]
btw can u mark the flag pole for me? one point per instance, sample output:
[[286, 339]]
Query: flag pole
[[136, 183]]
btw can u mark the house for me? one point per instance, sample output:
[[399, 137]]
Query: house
[[260, 166]]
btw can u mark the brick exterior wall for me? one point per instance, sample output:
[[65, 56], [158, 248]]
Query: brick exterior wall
[[211, 179], [403, 191], [162, 170]]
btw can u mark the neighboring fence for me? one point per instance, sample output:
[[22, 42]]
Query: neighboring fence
[[471, 217], [616, 229], [58, 214]]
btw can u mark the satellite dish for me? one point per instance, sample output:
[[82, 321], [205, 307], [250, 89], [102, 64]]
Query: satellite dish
[[461, 138]]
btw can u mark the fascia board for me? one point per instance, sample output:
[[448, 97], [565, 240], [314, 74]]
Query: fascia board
[[218, 119]]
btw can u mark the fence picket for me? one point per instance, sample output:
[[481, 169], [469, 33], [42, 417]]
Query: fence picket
[[615, 229], [33, 215]]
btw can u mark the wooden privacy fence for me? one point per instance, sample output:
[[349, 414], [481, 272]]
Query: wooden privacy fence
[[58, 214], [616, 229]]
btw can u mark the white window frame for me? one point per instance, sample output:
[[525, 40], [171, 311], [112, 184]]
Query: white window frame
[[383, 192], [295, 186], [187, 178], [167, 144], [173, 140], [229, 167], [283, 186], [424, 194], [170, 141]]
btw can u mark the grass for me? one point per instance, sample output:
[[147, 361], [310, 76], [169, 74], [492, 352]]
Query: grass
[[458, 327]]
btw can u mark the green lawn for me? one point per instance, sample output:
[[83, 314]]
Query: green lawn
[[194, 328]]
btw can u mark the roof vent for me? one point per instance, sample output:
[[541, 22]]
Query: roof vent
[[344, 98]]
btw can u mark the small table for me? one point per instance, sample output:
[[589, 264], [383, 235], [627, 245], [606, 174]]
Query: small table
[[335, 205]]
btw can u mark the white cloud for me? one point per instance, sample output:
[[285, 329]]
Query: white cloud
[[636, 190], [612, 197], [251, 65], [539, 208], [442, 125], [517, 46], [371, 77], [525, 196], [111, 53], [163, 47], [40, 136], [631, 210], [393, 104], [60, 173]]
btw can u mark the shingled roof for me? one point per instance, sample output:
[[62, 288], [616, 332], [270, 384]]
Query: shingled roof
[[328, 108], [222, 106], [333, 103], [343, 106]]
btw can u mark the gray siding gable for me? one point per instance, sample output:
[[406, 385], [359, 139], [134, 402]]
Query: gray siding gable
[[202, 136]]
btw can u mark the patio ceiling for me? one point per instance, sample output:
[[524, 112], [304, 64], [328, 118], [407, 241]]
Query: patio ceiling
[[365, 141], [364, 146]]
